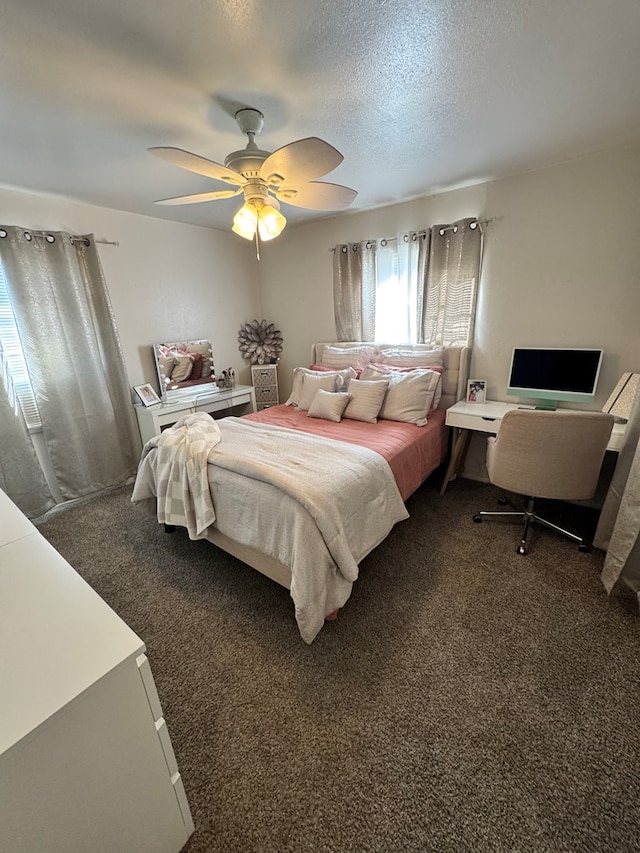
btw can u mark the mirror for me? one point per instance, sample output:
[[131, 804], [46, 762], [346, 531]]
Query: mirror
[[184, 367]]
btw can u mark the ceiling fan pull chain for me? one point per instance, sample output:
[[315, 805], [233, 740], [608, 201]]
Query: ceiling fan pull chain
[[257, 246]]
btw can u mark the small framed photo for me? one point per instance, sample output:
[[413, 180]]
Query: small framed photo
[[147, 394], [476, 390]]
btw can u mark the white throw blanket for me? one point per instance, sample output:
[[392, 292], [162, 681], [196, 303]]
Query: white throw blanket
[[180, 470]]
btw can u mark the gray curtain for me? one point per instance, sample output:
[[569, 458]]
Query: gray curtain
[[354, 291], [451, 274], [68, 334], [21, 476], [618, 531]]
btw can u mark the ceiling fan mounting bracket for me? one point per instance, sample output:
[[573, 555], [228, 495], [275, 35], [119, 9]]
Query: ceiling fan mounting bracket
[[250, 121]]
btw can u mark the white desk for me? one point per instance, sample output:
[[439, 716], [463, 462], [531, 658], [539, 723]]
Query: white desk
[[151, 419], [468, 418]]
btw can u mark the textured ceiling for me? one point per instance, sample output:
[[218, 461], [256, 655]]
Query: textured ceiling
[[418, 96]]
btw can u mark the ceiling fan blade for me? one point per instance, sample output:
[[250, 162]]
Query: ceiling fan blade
[[199, 197], [199, 165], [317, 195], [300, 162]]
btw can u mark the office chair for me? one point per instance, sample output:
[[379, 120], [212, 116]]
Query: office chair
[[551, 455]]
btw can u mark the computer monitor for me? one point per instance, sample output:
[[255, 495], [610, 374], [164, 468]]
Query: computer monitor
[[550, 375]]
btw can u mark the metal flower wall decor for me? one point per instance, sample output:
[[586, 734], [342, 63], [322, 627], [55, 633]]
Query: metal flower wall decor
[[260, 342]]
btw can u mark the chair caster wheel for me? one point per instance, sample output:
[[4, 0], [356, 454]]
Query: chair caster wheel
[[502, 501], [585, 548], [477, 519], [521, 550]]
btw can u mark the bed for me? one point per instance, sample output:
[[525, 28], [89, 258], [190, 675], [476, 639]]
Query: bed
[[303, 498]]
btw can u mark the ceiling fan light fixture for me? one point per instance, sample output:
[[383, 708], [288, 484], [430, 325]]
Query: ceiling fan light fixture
[[270, 222], [245, 222]]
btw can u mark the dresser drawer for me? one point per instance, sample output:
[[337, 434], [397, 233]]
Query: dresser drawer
[[264, 376]]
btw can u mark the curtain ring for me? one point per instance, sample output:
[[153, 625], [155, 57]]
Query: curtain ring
[[383, 242], [405, 238], [49, 238], [344, 249], [414, 237], [473, 225], [442, 232], [3, 233], [369, 244], [455, 229], [28, 236]]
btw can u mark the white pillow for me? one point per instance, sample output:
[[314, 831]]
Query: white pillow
[[341, 357], [366, 400], [410, 396], [379, 371], [328, 405], [413, 358], [300, 372], [311, 384]]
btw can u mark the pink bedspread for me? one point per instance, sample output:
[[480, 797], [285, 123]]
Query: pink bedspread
[[412, 452]]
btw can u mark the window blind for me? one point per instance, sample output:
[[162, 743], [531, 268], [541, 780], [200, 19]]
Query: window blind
[[14, 359]]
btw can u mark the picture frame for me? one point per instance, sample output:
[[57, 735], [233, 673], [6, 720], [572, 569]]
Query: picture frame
[[147, 394], [476, 391]]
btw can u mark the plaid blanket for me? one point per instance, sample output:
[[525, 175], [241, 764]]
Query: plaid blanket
[[180, 474]]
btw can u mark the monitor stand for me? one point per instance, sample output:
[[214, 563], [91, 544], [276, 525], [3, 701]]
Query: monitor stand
[[546, 405]]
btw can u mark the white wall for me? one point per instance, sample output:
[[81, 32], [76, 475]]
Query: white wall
[[561, 265], [167, 281]]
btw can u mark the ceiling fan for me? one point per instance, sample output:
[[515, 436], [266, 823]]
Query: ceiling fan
[[266, 179]]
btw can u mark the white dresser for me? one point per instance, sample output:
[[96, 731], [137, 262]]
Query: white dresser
[[225, 401], [265, 381], [86, 762]]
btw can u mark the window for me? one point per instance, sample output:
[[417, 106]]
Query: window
[[420, 287], [396, 298], [18, 380]]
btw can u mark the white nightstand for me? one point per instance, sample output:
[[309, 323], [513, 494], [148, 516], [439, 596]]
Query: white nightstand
[[265, 382]]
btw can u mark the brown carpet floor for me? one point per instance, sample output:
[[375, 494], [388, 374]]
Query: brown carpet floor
[[466, 699]]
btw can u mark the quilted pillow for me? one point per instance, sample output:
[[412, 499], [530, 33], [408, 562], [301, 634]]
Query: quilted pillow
[[366, 400], [413, 358], [340, 357], [328, 405], [300, 372], [410, 396]]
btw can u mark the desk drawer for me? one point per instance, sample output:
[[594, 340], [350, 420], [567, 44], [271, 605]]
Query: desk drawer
[[478, 424]]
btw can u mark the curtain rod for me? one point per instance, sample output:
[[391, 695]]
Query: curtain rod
[[422, 233], [73, 238]]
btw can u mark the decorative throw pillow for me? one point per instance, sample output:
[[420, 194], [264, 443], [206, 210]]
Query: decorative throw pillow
[[413, 358], [378, 371], [328, 405], [311, 384], [196, 370], [410, 396], [204, 350], [340, 357], [366, 399], [323, 367], [182, 369], [166, 364], [299, 374]]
